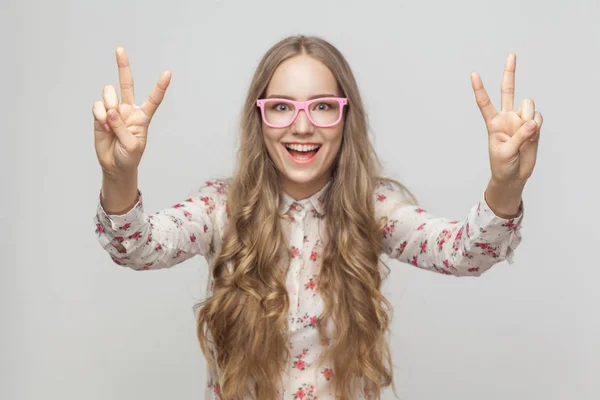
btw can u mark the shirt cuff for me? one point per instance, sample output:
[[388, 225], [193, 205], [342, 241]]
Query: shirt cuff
[[111, 228], [496, 236]]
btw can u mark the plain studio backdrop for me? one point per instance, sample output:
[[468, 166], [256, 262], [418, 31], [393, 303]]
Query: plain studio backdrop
[[77, 326]]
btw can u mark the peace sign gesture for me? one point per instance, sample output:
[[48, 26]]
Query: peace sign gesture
[[513, 136], [121, 128]]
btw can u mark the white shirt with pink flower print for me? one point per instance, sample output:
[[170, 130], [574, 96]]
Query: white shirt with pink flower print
[[195, 226]]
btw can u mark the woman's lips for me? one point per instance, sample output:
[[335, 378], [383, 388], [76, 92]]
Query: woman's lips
[[302, 157]]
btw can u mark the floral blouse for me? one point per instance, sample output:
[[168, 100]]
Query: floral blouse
[[195, 226]]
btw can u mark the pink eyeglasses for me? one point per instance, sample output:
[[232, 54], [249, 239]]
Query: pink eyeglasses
[[323, 112]]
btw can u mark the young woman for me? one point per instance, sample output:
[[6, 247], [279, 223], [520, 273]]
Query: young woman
[[294, 308]]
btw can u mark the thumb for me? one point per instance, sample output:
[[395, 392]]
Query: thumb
[[525, 133], [114, 120]]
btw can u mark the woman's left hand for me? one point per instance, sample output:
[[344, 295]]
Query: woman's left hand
[[513, 136]]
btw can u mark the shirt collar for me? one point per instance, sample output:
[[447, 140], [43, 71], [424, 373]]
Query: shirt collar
[[288, 204]]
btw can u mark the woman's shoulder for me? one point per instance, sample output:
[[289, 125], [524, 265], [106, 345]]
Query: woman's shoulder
[[215, 190], [388, 190]]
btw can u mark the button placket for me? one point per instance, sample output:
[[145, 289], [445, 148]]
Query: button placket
[[297, 241]]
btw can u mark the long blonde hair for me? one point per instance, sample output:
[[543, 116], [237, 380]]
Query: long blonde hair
[[242, 326]]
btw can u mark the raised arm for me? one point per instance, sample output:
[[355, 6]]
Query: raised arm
[[131, 236], [461, 248]]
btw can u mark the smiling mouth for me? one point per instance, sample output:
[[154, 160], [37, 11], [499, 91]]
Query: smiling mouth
[[302, 152]]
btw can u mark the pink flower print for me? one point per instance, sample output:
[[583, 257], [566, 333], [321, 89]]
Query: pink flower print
[[388, 229], [145, 267], [294, 252], [294, 206], [453, 222], [468, 255], [308, 321], [381, 198], [149, 238], [487, 249], [136, 235], [305, 239], [327, 373], [158, 247], [305, 391], [399, 250], [510, 225], [178, 222], [420, 228], [313, 256], [205, 227], [414, 261], [424, 247], [440, 270], [215, 387], [99, 229], [209, 203], [125, 227], [448, 265], [187, 214], [119, 239], [419, 210], [443, 237], [300, 364], [193, 237], [178, 205], [473, 269], [189, 200], [468, 229], [311, 284], [457, 240]]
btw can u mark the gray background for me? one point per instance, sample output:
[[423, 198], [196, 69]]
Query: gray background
[[77, 326]]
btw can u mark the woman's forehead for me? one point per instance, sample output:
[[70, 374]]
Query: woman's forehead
[[302, 77]]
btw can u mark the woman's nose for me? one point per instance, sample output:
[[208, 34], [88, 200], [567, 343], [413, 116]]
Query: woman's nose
[[302, 124]]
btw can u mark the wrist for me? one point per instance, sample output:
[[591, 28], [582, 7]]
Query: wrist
[[504, 198]]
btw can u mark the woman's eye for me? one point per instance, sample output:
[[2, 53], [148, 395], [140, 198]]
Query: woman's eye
[[281, 107], [322, 107]]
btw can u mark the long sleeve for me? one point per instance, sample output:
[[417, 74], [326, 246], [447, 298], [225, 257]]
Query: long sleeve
[[142, 241], [467, 248]]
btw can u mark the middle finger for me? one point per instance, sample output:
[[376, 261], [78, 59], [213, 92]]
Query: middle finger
[[125, 76], [508, 83]]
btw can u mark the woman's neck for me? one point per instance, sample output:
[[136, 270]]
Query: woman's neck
[[301, 191]]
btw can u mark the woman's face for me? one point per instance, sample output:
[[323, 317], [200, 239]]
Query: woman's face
[[305, 170]]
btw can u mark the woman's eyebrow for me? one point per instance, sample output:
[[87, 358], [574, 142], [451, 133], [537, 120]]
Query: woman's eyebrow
[[281, 96]]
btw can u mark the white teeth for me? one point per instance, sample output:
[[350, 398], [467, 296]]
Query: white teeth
[[302, 147]]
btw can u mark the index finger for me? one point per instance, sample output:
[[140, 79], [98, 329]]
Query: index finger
[[157, 95], [508, 83], [488, 111], [125, 76]]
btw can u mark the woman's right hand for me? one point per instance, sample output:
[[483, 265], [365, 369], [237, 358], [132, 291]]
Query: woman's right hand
[[121, 129]]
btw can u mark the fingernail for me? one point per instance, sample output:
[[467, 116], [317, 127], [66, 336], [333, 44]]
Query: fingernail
[[112, 114], [531, 125]]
